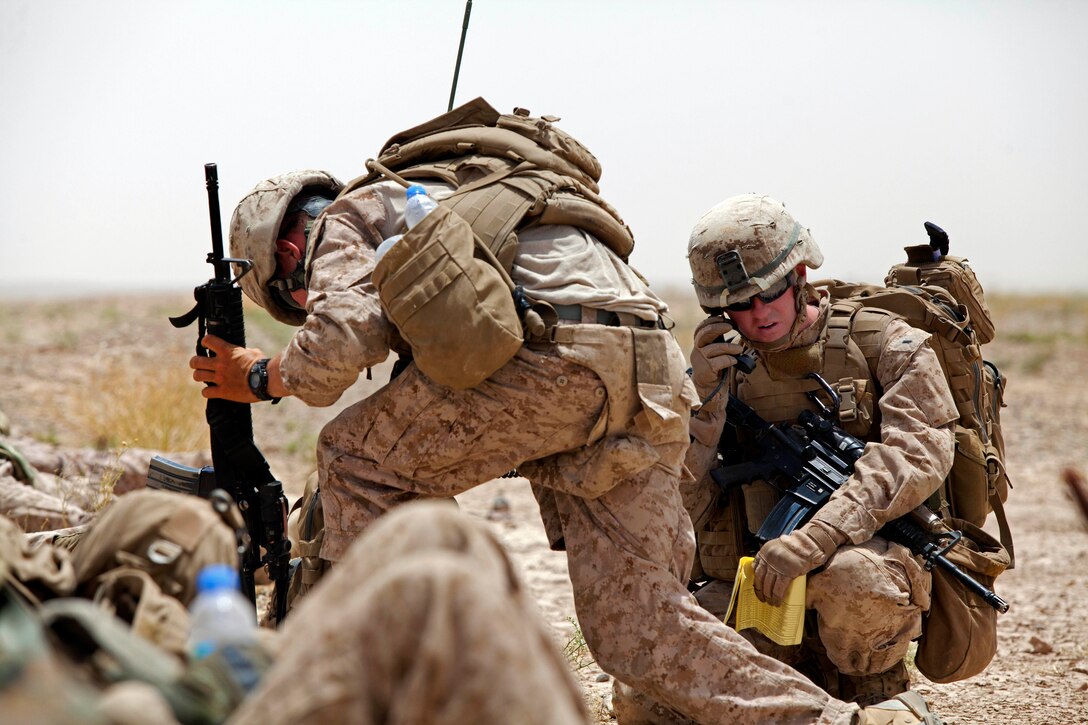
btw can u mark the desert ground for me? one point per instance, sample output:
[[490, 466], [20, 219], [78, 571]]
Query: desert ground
[[110, 372]]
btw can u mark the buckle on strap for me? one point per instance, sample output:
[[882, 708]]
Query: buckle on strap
[[848, 410]]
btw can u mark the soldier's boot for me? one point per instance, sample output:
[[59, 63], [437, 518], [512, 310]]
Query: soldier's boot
[[310, 567], [870, 689], [906, 708], [631, 707]]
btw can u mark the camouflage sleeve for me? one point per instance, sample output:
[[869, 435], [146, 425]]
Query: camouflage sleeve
[[698, 490], [916, 439], [345, 330]]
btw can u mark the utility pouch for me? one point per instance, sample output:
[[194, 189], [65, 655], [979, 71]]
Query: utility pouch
[[952, 274], [721, 539], [969, 487], [959, 634], [759, 498], [132, 595], [168, 535], [449, 302]]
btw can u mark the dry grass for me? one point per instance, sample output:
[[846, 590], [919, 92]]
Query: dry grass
[[106, 484], [576, 651], [142, 404]]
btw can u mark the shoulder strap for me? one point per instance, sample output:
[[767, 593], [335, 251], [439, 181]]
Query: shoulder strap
[[854, 330], [840, 320]]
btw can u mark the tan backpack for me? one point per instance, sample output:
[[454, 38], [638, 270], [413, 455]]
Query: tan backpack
[[941, 295], [446, 285], [978, 483], [168, 535]]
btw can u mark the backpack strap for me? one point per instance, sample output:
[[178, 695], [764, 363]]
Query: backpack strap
[[852, 351], [1004, 532], [841, 323]]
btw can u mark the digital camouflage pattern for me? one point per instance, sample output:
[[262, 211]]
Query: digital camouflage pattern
[[595, 417], [255, 225], [423, 620], [767, 243], [44, 487], [870, 595]]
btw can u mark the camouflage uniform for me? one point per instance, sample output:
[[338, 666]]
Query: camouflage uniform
[[424, 620], [594, 415], [868, 594], [46, 487], [871, 593], [433, 626]]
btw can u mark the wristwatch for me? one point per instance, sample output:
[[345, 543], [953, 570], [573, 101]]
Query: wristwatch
[[258, 380]]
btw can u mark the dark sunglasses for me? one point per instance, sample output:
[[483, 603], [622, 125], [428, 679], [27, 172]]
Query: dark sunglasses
[[766, 297]]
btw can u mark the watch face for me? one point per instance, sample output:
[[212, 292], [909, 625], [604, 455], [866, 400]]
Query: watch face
[[254, 379]]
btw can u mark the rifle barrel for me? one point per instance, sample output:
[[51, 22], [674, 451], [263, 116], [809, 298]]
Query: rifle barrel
[[211, 180]]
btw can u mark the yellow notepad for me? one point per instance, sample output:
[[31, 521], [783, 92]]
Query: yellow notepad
[[783, 624]]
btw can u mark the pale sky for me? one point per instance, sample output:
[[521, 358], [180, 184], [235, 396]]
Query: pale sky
[[866, 118]]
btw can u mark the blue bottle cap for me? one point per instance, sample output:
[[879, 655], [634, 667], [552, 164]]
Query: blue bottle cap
[[416, 190], [216, 576]]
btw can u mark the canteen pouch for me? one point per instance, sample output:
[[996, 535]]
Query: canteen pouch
[[959, 634], [449, 302], [969, 489]]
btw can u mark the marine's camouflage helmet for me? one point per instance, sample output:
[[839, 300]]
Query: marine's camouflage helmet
[[255, 226], [743, 246]]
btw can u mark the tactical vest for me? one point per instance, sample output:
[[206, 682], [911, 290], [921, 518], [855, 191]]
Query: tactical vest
[[509, 171], [845, 356], [977, 483]]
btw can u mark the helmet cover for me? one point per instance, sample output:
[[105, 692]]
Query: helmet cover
[[255, 227], [743, 246]]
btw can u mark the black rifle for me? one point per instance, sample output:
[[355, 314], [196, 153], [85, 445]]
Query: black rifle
[[818, 457], [237, 464]]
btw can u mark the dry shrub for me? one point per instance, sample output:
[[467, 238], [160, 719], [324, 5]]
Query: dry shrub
[[142, 404]]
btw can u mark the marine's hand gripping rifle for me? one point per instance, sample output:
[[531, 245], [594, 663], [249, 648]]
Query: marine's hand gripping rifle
[[818, 457], [238, 466]]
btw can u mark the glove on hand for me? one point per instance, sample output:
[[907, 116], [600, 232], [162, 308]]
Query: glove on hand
[[784, 559], [711, 357]]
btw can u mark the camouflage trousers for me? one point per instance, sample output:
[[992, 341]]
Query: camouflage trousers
[[423, 621], [868, 599], [598, 422]]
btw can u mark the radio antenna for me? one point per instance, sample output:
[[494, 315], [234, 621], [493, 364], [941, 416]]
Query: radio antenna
[[460, 50]]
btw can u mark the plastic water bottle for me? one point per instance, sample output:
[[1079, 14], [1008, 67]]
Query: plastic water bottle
[[220, 614], [419, 205], [385, 246]]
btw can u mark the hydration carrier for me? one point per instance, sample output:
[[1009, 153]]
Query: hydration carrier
[[446, 285]]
